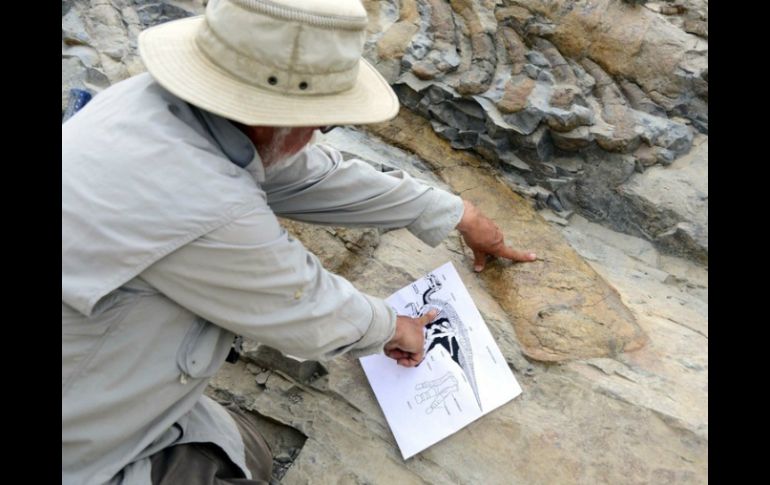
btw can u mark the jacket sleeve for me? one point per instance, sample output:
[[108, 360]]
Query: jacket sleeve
[[317, 185], [252, 278]]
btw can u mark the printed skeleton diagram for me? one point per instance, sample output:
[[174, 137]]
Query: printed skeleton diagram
[[448, 331]]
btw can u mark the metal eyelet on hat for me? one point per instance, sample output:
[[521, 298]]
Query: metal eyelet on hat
[[272, 80], [303, 85]]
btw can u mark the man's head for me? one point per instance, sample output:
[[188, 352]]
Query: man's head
[[279, 63]]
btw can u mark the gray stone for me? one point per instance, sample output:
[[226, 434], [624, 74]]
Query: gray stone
[[516, 182], [445, 131], [88, 56], [108, 32], [554, 203], [554, 184], [537, 59], [573, 140], [66, 5], [75, 75], [262, 377], [532, 70], [549, 216], [615, 138], [671, 204], [538, 143], [639, 100], [561, 70], [545, 76], [673, 136], [584, 80], [523, 122], [665, 156], [567, 165], [697, 27], [449, 114], [272, 359], [676, 138], [595, 193], [492, 149], [153, 12], [567, 120], [408, 96], [465, 140], [513, 161], [73, 30]]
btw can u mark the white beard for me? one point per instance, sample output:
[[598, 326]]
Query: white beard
[[276, 160]]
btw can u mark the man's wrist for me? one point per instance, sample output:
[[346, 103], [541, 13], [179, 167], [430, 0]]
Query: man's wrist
[[397, 335], [469, 215]]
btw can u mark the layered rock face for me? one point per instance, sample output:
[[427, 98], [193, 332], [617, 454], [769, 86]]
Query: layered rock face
[[571, 99], [567, 96]]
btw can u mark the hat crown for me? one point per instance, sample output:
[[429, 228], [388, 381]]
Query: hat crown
[[300, 47]]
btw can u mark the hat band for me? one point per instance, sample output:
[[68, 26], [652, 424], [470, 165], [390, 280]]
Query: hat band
[[265, 76]]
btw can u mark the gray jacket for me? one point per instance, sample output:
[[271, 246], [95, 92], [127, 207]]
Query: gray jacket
[[171, 247]]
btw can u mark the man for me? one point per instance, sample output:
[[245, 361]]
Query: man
[[171, 183]]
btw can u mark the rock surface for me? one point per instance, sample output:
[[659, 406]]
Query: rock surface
[[638, 416]]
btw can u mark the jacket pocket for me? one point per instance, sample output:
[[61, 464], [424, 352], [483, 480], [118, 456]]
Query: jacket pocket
[[203, 350]]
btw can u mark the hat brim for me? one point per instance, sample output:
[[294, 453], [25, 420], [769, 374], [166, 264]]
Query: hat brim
[[172, 57]]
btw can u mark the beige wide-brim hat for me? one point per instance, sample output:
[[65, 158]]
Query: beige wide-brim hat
[[272, 63]]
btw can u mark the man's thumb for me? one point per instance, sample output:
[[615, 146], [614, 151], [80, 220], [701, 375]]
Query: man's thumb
[[428, 317]]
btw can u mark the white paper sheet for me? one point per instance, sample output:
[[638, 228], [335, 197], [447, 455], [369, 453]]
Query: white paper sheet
[[463, 376]]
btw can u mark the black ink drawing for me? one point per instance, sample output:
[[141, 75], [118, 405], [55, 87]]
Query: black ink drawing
[[448, 331], [438, 390]]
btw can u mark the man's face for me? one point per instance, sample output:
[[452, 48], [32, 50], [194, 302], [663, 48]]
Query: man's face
[[274, 143]]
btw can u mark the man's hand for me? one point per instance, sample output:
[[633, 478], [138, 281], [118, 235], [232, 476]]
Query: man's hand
[[486, 239], [406, 348]]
